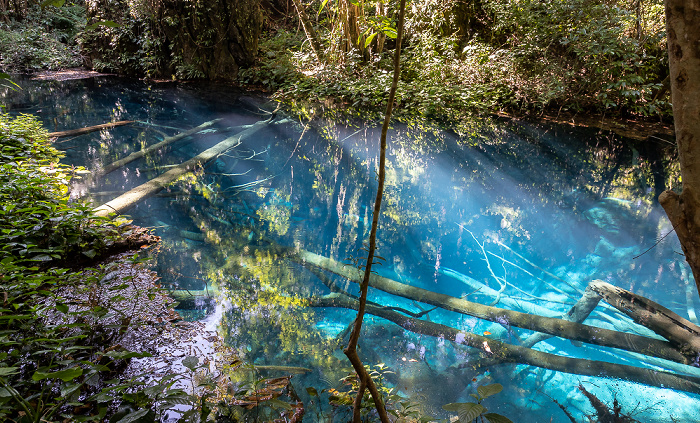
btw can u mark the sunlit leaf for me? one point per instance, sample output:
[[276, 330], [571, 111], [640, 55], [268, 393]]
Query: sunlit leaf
[[55, 3], [488, 390], [323, 4], [369, 39], [190, 362]]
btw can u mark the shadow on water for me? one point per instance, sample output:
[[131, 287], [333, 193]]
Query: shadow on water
[[533, 210]]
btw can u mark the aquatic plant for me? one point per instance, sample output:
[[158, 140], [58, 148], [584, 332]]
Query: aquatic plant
[[474, 411]]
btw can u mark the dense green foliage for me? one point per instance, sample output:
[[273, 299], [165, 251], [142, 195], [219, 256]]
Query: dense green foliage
[[58, 348], [466, 57], [45, 38], [460, 58]]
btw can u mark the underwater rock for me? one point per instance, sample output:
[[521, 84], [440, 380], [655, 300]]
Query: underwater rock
[[330, 329], [603, 218]]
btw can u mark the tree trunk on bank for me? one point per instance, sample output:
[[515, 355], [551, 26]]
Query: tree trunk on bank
[[683, 31], [309, 31], [209, 39], [353, 38]]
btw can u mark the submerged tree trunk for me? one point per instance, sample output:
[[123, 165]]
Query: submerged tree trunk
[[141, 192], [683, 30]]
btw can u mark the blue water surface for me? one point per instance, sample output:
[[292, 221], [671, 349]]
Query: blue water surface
[[514, 214]]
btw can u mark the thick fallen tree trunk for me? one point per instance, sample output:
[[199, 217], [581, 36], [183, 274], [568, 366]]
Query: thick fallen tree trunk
[[138, 154], [130, 198], [552, 326], [507, 353], [679, 331], [88, 129]]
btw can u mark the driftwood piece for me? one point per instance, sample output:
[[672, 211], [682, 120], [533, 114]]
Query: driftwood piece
[[130, 198], [138, 154], [88, 129], [557, 327], [507, 353], [679, 331]]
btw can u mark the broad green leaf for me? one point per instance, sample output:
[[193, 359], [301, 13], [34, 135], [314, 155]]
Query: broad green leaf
[[190, 362], [109, 24], [322, 6], [453, 406], [65, 375], [55, 3], [488, 390], [69, 389], [132, 417], [62, 308], [469, 411], [6, 371], [312, 391], [497, 418], [368, 41]]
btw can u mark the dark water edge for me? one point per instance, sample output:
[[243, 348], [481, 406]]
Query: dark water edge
[[531, 205]]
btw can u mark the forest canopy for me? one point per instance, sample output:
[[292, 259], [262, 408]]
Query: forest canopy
[[460, 58]]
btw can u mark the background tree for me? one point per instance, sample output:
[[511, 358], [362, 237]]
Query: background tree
[[683, 31]]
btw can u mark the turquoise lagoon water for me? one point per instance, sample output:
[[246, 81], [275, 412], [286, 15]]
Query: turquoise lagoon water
[[512, 214]]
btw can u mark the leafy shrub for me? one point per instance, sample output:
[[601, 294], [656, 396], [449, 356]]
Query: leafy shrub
[[37, 221], [44, 39]]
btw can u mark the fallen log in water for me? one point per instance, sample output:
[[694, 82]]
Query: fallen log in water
[[507, 353], [88, 129], [138, 154], [130, 198], [679, 331], [552, 326]]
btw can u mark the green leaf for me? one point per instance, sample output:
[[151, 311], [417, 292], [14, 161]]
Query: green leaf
[[65, 375], [62, 308], [55, 3], [368, 41], [322, 6], [190, 362], [6, 371], [132, 417], [488, 390], [453, 406], [470, 411], [312, 391], [497, 418], [69, 389]]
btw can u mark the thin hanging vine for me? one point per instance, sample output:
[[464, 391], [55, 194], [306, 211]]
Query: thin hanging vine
[[366, 381]]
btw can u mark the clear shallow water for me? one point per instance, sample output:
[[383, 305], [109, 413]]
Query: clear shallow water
[[539, 209]]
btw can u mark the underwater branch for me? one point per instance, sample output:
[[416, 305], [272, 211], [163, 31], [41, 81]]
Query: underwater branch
[[502, 352], [572, 330], [130, 198]]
